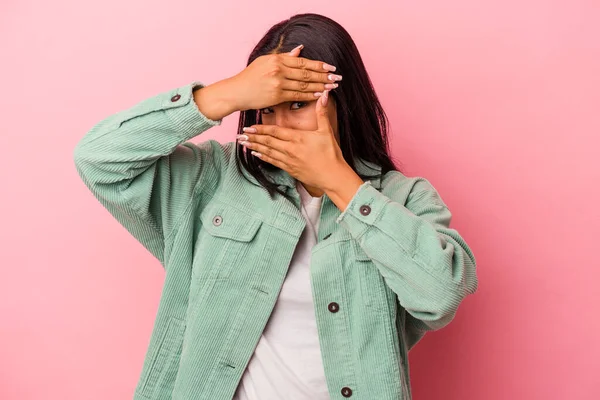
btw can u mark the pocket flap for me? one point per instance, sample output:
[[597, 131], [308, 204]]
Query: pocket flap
[[225, 221]]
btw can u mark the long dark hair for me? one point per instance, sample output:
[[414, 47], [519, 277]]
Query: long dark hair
[[362, 123]]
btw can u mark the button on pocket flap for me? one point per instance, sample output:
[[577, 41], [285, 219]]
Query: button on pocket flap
[[359, 252], [225, 221]]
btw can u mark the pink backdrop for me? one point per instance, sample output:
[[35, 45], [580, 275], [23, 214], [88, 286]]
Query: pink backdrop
[[497, 103]]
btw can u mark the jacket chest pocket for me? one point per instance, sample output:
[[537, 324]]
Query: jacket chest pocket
[[224, 242], [372, 285]]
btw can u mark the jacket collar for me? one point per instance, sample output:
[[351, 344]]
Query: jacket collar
[[283, 178]]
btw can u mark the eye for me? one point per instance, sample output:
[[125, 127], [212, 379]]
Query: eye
[[268, 110], [299, 102]]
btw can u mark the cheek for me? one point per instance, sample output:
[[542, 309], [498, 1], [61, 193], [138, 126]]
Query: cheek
[[267, 119], [305, 120], [302, 120], [306, 124]]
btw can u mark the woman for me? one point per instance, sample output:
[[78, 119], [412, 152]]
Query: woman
[[300, 263]]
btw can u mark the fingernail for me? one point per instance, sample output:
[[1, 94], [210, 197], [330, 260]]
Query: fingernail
[[334, 77], [318, 94], [328, 67], [301, 46], [331, 85], [241, 137], [248, 129], [325, 97]]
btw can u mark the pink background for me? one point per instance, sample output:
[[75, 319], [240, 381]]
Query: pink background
[[497, 103]]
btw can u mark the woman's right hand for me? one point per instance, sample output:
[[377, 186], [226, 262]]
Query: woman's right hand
[[276, 78]]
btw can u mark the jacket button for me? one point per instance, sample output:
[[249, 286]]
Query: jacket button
[[326, 236], [176, 97], [333, 307], [217, 220], [346, 392], [365, 210]]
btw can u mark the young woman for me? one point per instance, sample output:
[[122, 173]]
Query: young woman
[[300, 263]]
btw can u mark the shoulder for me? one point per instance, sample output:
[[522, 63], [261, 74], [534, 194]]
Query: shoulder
[[405, 189], [210, 152]]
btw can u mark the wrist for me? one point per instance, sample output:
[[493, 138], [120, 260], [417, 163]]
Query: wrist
[[231, 89], [214, 100], [339, 176], [344, 186]]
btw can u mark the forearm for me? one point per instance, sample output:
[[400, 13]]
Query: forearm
[[217, 100], [424, 261]]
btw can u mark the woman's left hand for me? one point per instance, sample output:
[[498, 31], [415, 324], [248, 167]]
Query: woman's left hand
[[312, 157]]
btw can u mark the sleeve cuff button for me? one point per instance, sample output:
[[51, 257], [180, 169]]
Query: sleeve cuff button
[[365, 210]]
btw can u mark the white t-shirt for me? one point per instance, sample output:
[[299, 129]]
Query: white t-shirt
[[287, 364]]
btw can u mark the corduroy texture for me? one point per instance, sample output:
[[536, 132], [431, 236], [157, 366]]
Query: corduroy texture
[[396, 269]]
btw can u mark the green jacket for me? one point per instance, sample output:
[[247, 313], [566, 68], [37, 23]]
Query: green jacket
[[390, 261]]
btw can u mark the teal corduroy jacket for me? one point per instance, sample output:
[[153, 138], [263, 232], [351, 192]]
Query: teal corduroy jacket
[[390, 261]]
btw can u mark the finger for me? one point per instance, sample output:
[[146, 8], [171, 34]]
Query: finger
[[275, 131], [270, 160], [296, 51], [293, 95], [309, 76], [267, 150], [306, 63], [266, 140], [302, 86], [322, 112], [275, 161]]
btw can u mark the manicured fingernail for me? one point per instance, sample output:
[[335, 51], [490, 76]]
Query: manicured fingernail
[[248, 129], [329, 67], [334, 77], [331, 85], [241, 137], [296, 48], [325, 97], [318, 94]]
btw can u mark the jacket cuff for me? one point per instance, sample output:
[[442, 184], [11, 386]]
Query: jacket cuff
[[363, 210], [180, 107]]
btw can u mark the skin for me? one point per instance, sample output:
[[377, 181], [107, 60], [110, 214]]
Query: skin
[[302, 116], [306, 145]]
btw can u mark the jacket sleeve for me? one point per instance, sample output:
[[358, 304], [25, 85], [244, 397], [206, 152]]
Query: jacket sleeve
[[135, 162], [425, 262]]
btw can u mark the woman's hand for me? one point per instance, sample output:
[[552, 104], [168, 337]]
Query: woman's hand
[[276, 78], [312, 157]]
